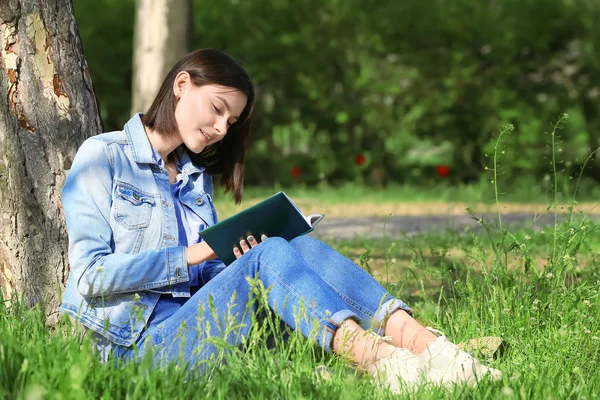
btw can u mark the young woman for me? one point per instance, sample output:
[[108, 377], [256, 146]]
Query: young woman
[[141, 278]]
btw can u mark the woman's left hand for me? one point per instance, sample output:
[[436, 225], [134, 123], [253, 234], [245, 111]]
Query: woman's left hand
[[246, 245]]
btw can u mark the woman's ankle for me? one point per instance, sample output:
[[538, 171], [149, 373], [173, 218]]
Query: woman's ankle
[[406, 332], [360, 346]]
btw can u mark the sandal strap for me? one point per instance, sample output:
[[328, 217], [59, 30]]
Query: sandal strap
[[437, 332]]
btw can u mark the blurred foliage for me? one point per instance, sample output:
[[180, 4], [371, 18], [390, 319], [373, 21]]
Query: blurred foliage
[[106, 28], [408, 85]]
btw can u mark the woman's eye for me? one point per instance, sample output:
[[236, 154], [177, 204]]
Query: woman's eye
[[217, 109]]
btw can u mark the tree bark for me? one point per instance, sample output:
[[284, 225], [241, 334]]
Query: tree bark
[[47, 108], [162, 37]]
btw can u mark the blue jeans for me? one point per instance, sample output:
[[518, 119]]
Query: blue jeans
[[302, 274]]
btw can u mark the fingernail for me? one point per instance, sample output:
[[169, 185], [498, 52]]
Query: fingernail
[[235, 249], [263, 237], [250, 238]]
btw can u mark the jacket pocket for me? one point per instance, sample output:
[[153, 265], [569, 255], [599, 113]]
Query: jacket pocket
[[133, 207]]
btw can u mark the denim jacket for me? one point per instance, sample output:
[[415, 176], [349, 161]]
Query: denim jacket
[[123, 234]]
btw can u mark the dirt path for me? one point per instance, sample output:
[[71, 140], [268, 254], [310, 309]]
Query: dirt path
[[433, 208], [345, 221], [395, 226]]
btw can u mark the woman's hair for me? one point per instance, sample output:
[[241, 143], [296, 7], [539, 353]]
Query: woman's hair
[[223, 160]]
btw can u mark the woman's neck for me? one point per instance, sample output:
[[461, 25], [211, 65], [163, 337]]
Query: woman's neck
[[162, 144]]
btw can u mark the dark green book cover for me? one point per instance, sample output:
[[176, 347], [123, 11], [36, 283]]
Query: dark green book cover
[[276, 216]]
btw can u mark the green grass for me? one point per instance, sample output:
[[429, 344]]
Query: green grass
[[523, 190], [539, 291], [548, 314]]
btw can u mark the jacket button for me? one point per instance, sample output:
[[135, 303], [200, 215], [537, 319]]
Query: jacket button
[[199, 201], [136, 196]]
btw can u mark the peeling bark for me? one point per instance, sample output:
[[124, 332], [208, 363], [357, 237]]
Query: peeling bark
[[47, 109], [162, 37]]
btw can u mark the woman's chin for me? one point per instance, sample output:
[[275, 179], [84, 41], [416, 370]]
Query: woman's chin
[[196, 148]]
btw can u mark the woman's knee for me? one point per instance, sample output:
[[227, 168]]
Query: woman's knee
[[273, 248], [277, 251], [275, 241], [304, 242], [275, 245]]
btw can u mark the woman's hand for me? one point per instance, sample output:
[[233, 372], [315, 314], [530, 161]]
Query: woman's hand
[[246, 245], [199, 252]]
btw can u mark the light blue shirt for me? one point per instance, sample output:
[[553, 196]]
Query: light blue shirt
[[189, 225]]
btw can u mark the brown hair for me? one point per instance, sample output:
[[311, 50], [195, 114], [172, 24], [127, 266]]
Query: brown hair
[[223, 160]]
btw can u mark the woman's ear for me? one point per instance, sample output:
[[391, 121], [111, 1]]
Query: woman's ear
[[181, 83]]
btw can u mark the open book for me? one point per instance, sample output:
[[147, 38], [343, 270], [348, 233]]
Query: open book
[[276, 216]]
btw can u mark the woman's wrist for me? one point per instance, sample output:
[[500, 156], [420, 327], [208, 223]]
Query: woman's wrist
[[198, 253]]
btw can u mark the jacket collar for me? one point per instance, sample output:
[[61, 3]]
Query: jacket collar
[[187, 166], [142, 149], [136, 136]]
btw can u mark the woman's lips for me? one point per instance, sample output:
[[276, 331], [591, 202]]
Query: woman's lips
[[205, 135]]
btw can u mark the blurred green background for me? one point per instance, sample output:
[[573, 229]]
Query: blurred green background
[[385, 92]]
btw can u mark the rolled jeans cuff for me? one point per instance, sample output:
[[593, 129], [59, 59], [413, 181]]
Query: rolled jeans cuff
[[331, 325], [387, 308]]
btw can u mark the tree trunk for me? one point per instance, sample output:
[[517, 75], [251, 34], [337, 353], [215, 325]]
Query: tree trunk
[[47, 108], [162, 37]]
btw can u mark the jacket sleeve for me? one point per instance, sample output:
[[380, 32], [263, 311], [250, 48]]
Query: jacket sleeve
[[87, 202]]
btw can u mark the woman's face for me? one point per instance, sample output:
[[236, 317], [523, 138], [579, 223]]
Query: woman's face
[[205, 113]]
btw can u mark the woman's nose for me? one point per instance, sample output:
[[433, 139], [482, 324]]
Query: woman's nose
[[221, 126]]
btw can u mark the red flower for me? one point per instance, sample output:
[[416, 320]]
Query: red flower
[[360, 159], [443, 170], [296, 171]]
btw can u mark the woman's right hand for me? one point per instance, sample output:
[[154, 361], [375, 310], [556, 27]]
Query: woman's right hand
[[198, 253]]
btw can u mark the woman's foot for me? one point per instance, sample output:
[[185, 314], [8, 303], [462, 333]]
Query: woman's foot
[[399, 369], [452, 365]]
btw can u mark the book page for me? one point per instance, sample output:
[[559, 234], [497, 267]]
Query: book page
[[314, 219]]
